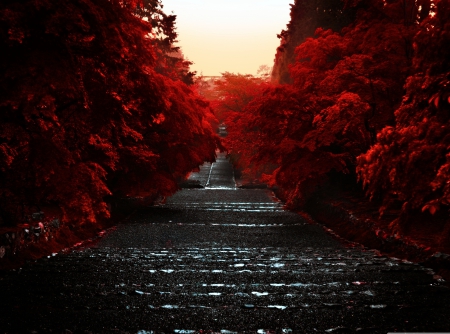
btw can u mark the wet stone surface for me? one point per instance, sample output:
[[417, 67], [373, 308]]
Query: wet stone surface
[[225, 260]]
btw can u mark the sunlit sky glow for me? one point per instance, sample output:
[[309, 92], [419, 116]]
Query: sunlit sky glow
[[229, 35]]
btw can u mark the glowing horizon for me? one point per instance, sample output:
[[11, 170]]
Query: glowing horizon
[[234, 36]]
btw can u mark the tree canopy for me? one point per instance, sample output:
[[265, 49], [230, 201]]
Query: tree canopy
[[367, 97], [88, 109]]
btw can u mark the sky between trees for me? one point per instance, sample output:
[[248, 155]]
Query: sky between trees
[[229, 35]]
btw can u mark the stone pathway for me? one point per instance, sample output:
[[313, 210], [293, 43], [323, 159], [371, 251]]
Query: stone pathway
[[220, 259]]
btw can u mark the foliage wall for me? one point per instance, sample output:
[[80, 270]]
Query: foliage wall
[[306, 17], [92, 106], [370, 101]]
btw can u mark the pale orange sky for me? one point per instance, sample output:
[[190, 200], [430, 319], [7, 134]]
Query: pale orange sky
[[229, 35]]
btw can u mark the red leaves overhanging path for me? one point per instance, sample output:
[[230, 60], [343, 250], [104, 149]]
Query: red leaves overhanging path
[[93, 107], [366, 100]]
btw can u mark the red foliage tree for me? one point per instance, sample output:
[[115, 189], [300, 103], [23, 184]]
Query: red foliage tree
[[230, 96], [85, 113], [232, 93], [306, 17], [346, 88], [410, 163]]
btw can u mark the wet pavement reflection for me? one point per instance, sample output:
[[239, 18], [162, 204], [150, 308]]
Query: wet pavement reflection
[[220, 259]]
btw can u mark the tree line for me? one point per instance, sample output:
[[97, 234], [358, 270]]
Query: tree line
[[96, 103], [360, 94]]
